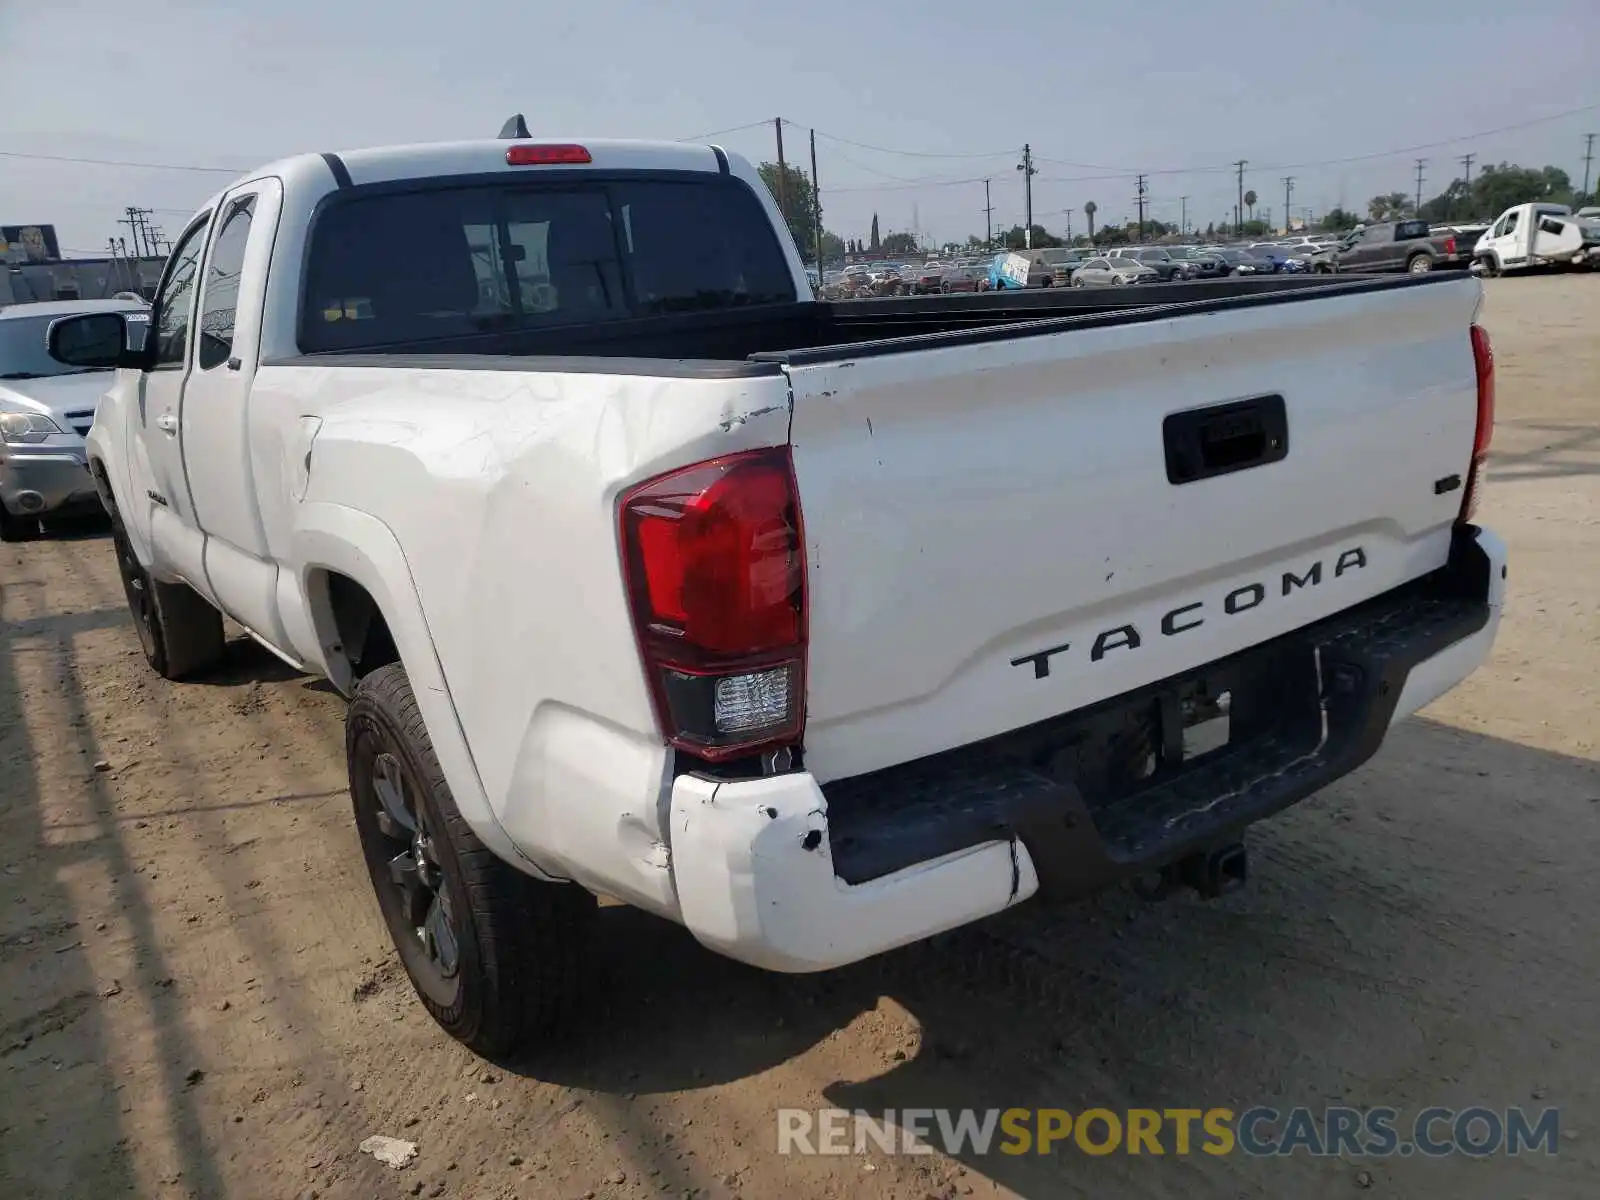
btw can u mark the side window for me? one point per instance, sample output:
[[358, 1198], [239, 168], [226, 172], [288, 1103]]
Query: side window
[[1511, 223], [221, 292], [174, 302]]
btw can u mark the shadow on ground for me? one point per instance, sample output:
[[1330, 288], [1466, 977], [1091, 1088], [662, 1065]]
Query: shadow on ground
[[79, 1117], [1376, 959]]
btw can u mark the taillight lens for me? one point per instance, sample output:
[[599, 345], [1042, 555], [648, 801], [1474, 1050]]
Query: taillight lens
[[716, 578], [1450, 246], [1483, 362]]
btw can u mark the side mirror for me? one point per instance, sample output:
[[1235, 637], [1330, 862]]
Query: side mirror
[[95, 341]]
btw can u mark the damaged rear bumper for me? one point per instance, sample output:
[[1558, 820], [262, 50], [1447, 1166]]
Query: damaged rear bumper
[[792, 876]]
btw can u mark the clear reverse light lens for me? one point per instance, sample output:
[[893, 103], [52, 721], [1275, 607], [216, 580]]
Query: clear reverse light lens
[[743, 703]]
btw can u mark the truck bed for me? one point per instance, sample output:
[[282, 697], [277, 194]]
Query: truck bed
[[759, 341]]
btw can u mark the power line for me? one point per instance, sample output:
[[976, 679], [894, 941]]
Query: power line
[[700, 137], [1110, 172], [108, 162], [1121, 173], [832, 137], [908, 186]]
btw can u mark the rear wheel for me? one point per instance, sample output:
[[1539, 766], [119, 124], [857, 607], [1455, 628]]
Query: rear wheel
[[1419, 264], [179, 632], [494, 955]]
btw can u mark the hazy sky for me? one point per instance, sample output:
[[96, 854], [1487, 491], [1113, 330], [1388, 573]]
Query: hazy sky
[[1178, 88]]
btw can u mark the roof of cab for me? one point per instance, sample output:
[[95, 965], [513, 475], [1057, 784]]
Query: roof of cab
[[383, 164], [481, 156]]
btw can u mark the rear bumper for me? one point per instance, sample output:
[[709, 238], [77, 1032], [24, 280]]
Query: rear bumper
[[37, 481], [792, 876]]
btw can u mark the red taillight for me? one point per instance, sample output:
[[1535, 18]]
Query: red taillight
[[544, 156], [1483, 362], [716, 578], [1450, 246]]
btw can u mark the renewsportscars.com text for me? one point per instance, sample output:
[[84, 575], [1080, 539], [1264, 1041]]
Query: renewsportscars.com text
[[1259, 1131]]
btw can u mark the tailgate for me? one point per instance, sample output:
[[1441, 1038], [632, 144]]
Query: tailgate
[[993, 536]]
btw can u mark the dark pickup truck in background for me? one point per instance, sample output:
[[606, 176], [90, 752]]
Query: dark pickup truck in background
[[1409, 246]]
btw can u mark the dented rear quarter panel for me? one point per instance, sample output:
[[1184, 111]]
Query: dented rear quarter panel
[[500, 487]]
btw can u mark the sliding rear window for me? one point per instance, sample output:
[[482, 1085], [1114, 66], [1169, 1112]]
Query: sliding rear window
[[389, 268]]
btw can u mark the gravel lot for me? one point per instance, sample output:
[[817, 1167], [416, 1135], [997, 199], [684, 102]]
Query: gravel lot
[[198, 996]]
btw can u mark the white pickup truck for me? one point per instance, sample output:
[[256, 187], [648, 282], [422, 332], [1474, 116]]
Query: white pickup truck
[[816, 628]]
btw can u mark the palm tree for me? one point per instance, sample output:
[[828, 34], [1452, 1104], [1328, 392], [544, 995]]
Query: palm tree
[[1250, 203], [1089, 210], [1389, 207]]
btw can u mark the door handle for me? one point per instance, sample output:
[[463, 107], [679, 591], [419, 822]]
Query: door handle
[[168, 424]]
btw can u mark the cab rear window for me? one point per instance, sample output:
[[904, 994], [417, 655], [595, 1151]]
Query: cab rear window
[[391, 268]]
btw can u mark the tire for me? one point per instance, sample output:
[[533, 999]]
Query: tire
[[179, 632], [17, 529], [1491, 266], [519, 962], [1419, 264]]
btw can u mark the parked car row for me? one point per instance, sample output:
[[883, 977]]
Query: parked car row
[[1412, 246], [933, 277]]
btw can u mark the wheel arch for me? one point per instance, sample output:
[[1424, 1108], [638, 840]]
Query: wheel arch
[[357, 583], [104, 484]]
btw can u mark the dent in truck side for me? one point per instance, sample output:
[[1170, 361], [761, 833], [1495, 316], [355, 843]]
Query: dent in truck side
[[527, 617]]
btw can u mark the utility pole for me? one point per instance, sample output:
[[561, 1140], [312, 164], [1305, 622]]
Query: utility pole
[[1238, 213], [1028, 172], [1141, 196], [816, 205], [1067, 212], [136, 221], [783, 171], [1421, 162], [1288, 191], [1183, 219], [1466, 182], [988, 219], [1588, 161]]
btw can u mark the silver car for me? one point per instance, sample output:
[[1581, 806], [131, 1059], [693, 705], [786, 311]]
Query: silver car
[[1098, 272], [45, 410]]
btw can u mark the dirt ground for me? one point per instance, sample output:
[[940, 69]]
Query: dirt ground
[[198, 997]]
